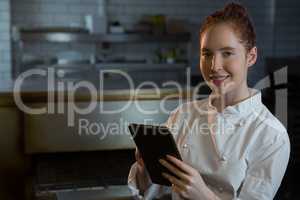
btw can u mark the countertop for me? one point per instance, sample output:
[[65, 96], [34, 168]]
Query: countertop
[[40, 91], [119, 192]]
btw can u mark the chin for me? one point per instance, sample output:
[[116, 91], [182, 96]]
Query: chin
[[229, 87]]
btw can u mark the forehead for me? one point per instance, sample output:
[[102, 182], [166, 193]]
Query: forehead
[[220, 36]]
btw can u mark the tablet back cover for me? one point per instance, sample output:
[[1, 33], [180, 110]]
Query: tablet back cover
[[154, 142]]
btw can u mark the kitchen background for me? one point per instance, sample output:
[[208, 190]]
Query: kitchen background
[[277, 25]]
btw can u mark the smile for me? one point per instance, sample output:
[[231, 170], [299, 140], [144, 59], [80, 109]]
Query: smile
[[217, 80]]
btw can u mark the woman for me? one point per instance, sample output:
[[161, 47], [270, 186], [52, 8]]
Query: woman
[[232, 146]]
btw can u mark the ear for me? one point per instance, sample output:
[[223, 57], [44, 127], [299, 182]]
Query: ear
[[252, 56]]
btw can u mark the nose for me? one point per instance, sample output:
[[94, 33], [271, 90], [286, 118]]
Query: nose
[[216, 63]]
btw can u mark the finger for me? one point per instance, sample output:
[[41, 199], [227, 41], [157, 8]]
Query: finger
[[137, 154], [175, 188], [175, 170], [138, 158], [179, 191], [141, 162], [181, 185], [181, 165]]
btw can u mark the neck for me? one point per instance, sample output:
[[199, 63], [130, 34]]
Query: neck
[[221, 101]]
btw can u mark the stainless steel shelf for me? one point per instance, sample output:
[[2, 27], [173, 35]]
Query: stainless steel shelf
[[141, 66], [119, 66], [100, 38]]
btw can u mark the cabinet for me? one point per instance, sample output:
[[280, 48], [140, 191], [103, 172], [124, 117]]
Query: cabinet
[[96, 131], [12, 159]]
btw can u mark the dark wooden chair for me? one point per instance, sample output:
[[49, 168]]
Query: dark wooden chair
[[290, 184]]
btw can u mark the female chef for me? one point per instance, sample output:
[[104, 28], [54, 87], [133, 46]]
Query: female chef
[[232, 146]]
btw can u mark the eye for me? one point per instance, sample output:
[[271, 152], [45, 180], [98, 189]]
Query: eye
[[206, 54], [227, 53]]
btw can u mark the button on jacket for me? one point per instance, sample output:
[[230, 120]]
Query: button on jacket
[[241, 153]]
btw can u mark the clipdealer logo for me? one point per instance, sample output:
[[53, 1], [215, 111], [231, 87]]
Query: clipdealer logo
[[61, 95], [65, 103]]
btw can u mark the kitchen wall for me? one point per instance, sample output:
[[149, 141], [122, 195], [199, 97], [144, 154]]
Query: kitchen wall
[[277, 33], [5, 46], [287, 29], [30, 13], [50, 13], [72, 12]]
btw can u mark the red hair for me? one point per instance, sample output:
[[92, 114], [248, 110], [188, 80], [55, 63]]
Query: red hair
[[237, 16]]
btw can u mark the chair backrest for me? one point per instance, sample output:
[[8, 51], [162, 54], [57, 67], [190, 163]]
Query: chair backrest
[[291, 84], [293, 121]]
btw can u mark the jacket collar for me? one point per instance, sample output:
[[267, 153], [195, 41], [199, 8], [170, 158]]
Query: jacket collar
[[253, 103]]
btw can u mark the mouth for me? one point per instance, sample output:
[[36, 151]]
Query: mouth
[[218, 79]]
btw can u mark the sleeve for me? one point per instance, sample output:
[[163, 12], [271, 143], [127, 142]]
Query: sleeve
[[266, 169], [139, 181], [141, 186]]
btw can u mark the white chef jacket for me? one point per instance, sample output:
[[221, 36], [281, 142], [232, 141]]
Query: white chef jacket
[[241, 153]]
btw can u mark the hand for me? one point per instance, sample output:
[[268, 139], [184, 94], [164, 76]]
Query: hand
[[188, 183], [138, 158], [143, 178]]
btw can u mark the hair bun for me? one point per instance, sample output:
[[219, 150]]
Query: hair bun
[[235, 10], [237, 16]]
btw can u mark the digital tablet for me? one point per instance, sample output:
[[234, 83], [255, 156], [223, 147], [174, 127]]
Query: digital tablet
[[154, 143]]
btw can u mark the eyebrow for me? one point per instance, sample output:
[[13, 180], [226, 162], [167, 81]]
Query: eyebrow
[[222, 49]]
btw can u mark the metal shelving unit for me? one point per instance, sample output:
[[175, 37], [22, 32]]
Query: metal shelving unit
[[61, 37]]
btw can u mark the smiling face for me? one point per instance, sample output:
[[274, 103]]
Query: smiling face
[[224, 60]]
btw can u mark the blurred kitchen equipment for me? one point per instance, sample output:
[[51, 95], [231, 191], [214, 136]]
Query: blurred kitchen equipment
[[141, 27], [63, 138], [104, 193], [152, 24], [29, 60], [58, 151], [116, 27], [175, 26], [61, 176], [67, 65], [97, 23], [74, 73], [151, 30], [159, 24], [170, 55], [72, 57], [53, 29]]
